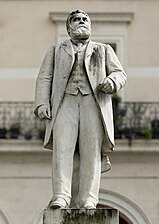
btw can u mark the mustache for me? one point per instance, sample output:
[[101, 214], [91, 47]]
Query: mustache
[[82, 25]]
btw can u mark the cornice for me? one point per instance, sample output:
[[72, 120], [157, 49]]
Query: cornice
[[117, 17]]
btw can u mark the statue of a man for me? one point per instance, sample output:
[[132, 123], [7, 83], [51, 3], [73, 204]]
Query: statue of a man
[[73, 93]]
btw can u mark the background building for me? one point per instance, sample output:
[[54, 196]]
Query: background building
[[27, 29]]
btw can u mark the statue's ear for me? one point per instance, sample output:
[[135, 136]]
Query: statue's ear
[[68, 31]]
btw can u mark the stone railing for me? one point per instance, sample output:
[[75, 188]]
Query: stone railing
[[137, 120], [132, 120], [17, 120]]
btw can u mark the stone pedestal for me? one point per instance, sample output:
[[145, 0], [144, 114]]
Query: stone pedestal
[[81, 216]]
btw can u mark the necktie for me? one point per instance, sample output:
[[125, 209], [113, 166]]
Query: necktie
[[79, 45]]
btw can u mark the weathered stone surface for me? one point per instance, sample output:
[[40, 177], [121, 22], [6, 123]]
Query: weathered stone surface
[[73, 82], [81, 216]]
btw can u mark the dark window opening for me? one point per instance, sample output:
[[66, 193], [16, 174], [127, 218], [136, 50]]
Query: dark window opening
[[113, 45]]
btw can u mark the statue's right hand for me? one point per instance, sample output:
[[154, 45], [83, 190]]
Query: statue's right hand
[[44, 112]]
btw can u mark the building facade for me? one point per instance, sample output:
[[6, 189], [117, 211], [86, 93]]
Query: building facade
[[27, 30]]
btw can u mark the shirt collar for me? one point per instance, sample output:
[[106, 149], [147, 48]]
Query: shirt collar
[[83, 42]]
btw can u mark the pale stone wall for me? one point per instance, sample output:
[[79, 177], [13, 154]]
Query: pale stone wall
[[25, 177], [26, 32]]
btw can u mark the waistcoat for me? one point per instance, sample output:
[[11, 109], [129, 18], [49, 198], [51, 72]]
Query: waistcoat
[[78, 80]]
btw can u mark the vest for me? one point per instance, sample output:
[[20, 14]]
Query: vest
[[78, 80]]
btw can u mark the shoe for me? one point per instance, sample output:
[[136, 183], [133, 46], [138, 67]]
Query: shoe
[[89, 205], [59, 203]]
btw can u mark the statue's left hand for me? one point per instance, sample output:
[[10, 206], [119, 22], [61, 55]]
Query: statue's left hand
[[107, 86]]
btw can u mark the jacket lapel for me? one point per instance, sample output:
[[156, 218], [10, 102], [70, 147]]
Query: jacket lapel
[[68, 48], [89, 49], [89, 52], [68, 57]]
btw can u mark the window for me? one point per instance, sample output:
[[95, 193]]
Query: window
[[130, 213], [113, 45]]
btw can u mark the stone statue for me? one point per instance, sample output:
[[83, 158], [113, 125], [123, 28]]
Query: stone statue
[[73, 93]]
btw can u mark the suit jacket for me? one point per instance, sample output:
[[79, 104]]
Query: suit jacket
[[100, 62]]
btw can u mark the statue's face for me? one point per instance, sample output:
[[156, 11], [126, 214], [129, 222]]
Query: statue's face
[[80, 27]]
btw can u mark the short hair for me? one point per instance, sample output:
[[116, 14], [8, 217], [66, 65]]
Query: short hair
[[71, 15]]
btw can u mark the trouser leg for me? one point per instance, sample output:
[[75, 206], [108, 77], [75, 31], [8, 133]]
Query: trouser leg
[[65, 133], [90, 142]]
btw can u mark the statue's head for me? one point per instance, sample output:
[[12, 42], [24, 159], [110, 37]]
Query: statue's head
[[78, 25]]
